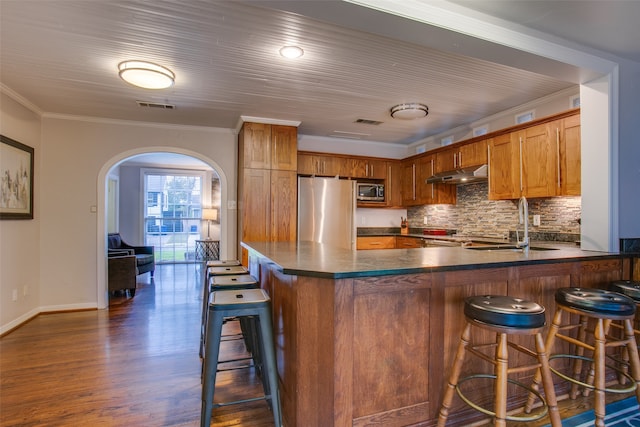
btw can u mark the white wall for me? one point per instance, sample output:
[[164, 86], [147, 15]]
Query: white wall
[[628, 149], [20, 239], [76, 153]]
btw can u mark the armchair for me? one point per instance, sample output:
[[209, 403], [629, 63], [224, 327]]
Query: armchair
[[122, 273], [143, 254]]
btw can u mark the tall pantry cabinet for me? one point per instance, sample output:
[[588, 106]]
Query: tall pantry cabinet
[[267, 183]]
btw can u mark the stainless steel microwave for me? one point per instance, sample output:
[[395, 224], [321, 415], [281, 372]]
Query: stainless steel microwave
[[369, 192]]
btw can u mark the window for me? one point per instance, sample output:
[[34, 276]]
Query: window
[[481, 130], [173, 206], [446, 141], [525, 117]]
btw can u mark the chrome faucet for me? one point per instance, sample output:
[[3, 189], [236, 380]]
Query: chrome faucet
[[523, 216]]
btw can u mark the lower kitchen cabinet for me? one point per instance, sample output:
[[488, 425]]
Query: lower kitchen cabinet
[[376, 242], [403, 242]]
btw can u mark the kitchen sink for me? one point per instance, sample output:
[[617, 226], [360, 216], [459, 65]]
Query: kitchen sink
[[507, 248]]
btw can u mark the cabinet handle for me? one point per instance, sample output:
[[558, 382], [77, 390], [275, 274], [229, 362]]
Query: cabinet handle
[[366, 169], [455, 158], [413, 172], [558, 153], [433, 185], [460, 159], [371, 170], [521, 184], [489, 165]]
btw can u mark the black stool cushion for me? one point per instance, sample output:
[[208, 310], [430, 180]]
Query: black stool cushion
[[628, 288], [596, 301], [504, 311]]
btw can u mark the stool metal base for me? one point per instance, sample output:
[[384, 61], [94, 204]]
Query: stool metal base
[[247, 303]]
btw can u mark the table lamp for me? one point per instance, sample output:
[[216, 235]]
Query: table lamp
[[209, 215]]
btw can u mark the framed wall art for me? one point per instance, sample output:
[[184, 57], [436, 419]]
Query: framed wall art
[[16, 179]]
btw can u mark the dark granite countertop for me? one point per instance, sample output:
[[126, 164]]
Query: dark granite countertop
[[318, 260]]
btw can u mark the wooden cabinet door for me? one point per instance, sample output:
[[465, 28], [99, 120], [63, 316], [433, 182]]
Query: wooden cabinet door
[[254, 145], [446, 160], [284, 187], [539, 147], [425, 167], [393, 185], [570, 157], [306, 164], [504, 169], [408, 183], [284, 148], [474, 154], [255, 209]]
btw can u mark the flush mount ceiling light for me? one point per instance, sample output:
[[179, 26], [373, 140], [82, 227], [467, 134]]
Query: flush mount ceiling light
[[291, 52], [409, 111], [146, 74]]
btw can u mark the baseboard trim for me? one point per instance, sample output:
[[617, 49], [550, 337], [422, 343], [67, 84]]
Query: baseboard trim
[[49, 309], [16, 323]]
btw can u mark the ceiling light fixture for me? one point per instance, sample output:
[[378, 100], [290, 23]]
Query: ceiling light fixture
[[409, 111], [146, 74], [291, 52]]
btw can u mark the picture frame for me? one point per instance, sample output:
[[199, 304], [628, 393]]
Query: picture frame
[[16, 179]]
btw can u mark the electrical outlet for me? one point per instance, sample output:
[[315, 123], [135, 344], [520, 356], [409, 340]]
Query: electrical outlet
[[536, 220], [231, 204], [15, 295], [425, 220]]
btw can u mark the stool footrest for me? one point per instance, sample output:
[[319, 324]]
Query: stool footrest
[[235, 402], [629, 389], [521, 418]]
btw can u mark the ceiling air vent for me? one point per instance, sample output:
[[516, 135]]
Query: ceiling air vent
[[158, 105], [368, 122]]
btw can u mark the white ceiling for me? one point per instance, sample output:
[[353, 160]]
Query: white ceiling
[[62, 57]]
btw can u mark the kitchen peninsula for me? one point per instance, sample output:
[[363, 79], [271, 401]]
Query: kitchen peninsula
[[366, 337]]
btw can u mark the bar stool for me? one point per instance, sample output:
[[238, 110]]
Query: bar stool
[[211, 271], [256, 304], [503, 315], [235, 282], [600, 308], [632, 290]]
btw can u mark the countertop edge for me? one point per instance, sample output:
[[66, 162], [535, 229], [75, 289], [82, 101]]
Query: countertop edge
[[279, 253]]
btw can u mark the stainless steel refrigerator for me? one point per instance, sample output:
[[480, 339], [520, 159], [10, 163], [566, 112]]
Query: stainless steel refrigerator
[[327, 211]]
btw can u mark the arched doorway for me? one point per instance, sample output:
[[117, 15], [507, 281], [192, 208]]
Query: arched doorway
[[148, 159]]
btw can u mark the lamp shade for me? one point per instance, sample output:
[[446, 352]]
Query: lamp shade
[[210, 214], [146, 74]]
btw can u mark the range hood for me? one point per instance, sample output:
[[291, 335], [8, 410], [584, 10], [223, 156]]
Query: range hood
[[460, 176]]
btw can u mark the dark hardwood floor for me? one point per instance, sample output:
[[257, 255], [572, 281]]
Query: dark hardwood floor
[[135, 364]]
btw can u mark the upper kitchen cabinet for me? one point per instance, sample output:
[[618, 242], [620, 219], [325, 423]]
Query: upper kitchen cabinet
[[367, 168], [462, 156], [320, 165], [266, 146], [540, 160], [504, 180], [570, 158], [393, 184], [416, 191], [538, 150]]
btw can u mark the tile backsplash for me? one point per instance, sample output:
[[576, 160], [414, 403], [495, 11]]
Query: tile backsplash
[[475, 215]]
